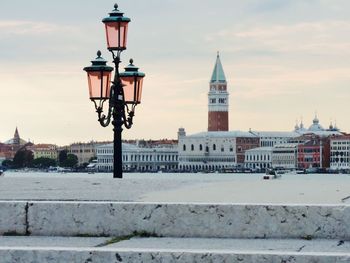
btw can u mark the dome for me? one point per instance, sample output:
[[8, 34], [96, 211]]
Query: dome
[[316, 126]]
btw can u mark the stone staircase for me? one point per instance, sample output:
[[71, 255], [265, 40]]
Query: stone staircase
[[56, 231]]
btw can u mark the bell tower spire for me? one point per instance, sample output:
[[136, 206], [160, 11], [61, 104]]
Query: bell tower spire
[[16, 138], [218, 99]]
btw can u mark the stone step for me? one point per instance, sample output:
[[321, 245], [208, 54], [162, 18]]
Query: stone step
[[88, 249], [78, 218]]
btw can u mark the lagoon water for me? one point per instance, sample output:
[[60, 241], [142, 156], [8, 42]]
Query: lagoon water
[[177, 187]]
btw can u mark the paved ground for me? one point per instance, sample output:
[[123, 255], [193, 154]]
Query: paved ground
[[208, 188]]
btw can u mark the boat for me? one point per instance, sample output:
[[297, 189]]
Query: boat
[[273, 173]]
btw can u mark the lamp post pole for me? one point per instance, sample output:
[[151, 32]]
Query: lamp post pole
[[117, 90], [126, 89]]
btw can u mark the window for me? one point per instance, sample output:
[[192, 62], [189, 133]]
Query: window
[[214, 147], [192, 147], [200, 147], [184, 148]]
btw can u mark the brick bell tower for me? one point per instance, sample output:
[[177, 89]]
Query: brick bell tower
[[218, 99]]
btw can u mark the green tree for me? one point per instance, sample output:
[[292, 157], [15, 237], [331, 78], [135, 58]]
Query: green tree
[[62, 157], [71, 161], [23, 158], [43, 162], [7, 163]]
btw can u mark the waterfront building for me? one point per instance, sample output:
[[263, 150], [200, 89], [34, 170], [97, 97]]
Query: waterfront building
[[84, 151], [313, 151], [210, 151], [340, 153], [44, 151], [272, 138], [13, 145], [285, 156], [218, 99], [153, 143], [5, 150], [138, 159], [258, 158]]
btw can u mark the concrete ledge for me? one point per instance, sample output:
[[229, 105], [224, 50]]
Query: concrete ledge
[[13, 218], [68, 249], [24, 255], [178, 220]]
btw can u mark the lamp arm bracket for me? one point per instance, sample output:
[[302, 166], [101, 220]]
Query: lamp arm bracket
[[102, 118], [128, 120]]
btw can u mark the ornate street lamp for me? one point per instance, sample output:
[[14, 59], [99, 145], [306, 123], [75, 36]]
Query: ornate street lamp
[[126, 89]]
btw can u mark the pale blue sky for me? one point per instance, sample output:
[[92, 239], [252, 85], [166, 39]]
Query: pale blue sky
[[283, 60]]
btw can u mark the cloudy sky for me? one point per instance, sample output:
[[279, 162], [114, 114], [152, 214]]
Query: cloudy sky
[[284, 60]]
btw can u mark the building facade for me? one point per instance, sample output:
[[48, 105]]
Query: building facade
[[218, 100], [84, 151], [210, 151], [272, 138], [285, 156], [340, 153], [313, 152], [44, 151], [10, 147], [258, 158], [138, 159]]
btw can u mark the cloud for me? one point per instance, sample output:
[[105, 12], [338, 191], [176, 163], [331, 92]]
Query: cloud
[[322, 37], [19, 27]]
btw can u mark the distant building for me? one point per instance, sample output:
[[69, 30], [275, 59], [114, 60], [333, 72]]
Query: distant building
[[138, 159], [44, 151], [13, 145], [285, 156], [258, 158], [153, 143], [317, 129], [340, 153], [218, 99], [209, 151], [313, 151], [272, 138], [6, 151], [84, 151]]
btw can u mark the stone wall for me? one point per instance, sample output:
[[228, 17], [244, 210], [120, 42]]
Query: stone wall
[[174, 220]]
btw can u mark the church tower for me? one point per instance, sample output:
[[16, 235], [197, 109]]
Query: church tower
[[16, 138], [218, 99]]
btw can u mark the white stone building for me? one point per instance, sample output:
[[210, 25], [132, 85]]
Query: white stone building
[[340, 153], [138, 159], [258, 158], [209, 151], [272, 138], [285, 156]]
